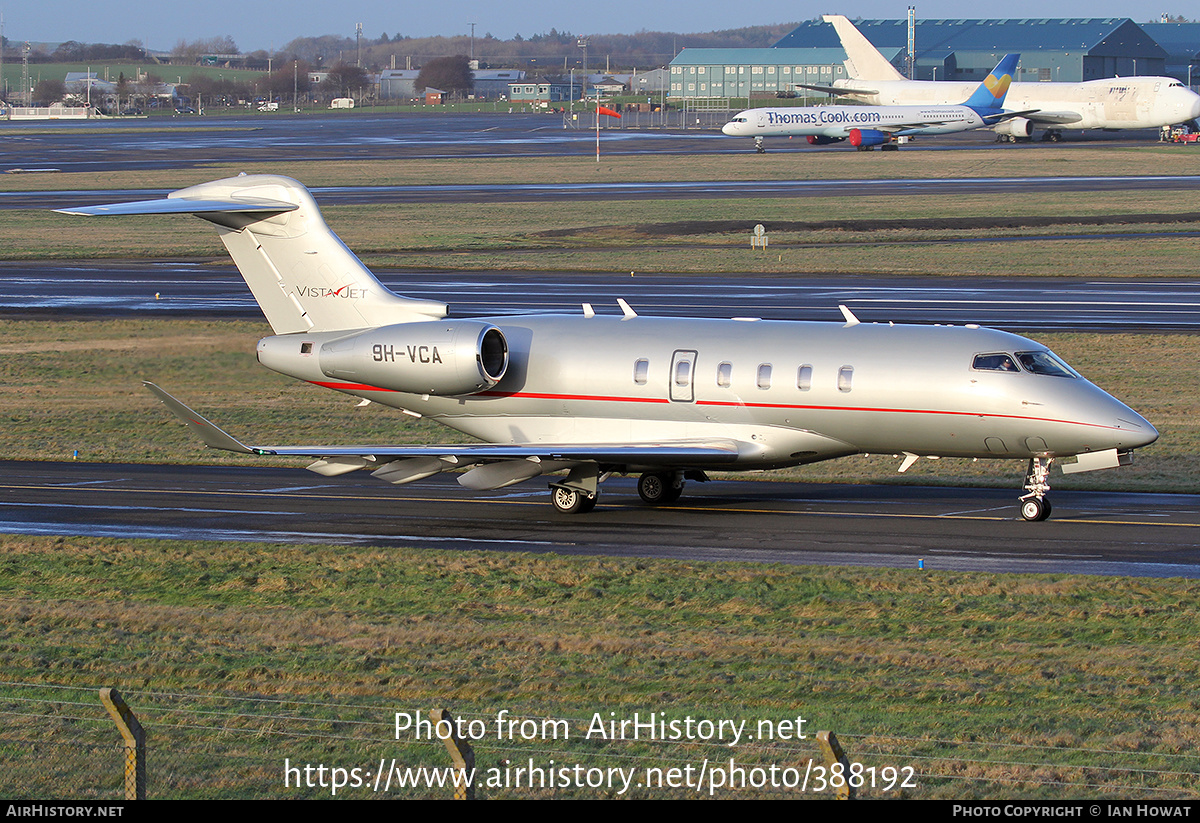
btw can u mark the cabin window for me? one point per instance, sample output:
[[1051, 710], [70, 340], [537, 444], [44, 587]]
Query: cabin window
[[845, 378], [804, 378], [764, 376], [994, 362], [725, 375], [683, 372], [641, 369]]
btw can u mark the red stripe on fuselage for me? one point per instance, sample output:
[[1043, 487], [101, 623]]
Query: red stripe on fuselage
[[736, 404]]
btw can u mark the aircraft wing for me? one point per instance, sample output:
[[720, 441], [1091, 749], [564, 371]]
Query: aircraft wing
[[1009, 115], [835, 89], [1060, 118], [407, 462]]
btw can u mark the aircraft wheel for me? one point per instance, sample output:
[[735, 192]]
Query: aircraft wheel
[[1035, 510], [1055, 137], [571, 501], [658, 488]]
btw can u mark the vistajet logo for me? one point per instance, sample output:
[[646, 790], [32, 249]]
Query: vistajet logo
[[346, 292]]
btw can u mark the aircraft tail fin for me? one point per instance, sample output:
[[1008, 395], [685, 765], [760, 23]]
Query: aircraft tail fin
[[994, 88], [864, 62], [301, 273]]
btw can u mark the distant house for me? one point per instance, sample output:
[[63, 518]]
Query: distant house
[[494, 82], [434, 97], [609, 86], [541, 94]]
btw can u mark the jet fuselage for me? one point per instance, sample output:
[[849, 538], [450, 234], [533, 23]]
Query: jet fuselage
[[791, 392], [1118, 103]]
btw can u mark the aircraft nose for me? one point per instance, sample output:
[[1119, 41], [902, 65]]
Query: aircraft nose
[[729, 128], [1140, 431], [1132, 430]]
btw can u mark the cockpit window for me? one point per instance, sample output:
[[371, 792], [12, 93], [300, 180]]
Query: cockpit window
[[994, 362], [1043, 362], [739, 120]]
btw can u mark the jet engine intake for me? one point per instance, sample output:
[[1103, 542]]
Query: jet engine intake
[[1016, 127], [440, 357]]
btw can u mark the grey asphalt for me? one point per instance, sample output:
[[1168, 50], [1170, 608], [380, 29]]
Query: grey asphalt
[[1102, 533], [203, 289], [528, 192], [186, 142]]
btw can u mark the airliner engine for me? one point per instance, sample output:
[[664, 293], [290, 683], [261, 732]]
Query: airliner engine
[[865, 138], [1016, 127]]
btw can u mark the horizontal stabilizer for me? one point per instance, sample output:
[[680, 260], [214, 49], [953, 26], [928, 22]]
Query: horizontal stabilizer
[[182, 205]]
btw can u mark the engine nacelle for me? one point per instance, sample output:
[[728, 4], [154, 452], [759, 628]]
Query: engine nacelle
[[1016, 127], [868, 137], [444, 357], [822, 140]]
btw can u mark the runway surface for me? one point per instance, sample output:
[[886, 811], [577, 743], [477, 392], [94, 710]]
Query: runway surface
[[1148, 535], [206, 290], [528, 192], [156, 143]]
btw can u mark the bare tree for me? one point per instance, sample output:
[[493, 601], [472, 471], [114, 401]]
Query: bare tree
[[451, 74]]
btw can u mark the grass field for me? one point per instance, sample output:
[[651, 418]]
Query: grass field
[[991, 686]]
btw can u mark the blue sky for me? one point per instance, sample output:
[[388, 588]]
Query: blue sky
[[256, 24]]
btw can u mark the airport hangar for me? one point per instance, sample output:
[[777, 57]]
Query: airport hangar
[[1066, 50]]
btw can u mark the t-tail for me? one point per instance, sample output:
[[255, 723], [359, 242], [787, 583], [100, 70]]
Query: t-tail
[[989, 97], [863, 60], [301, 273]]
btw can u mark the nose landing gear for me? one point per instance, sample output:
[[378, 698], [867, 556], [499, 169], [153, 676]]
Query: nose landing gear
[[1034, 505]]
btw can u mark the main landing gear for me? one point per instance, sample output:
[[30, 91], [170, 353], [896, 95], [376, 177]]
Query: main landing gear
[[579, 491], [1034, 505], [660, 488], [571, 501]]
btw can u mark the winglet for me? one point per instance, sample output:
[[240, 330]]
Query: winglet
[[851, 320], [212, 436]]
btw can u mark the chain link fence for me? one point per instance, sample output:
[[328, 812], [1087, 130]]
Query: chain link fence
[[60, 742]]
